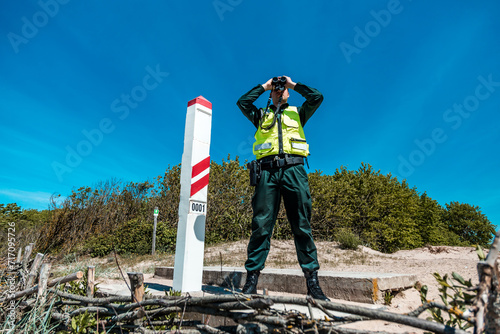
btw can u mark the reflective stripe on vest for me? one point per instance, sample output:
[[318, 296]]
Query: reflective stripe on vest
[[263, 146], [293, 138], [299, 146]]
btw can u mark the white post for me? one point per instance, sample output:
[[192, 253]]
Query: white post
[[155, 214], [190, 246]]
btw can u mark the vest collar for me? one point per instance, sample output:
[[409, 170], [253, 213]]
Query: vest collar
[[282, 107]]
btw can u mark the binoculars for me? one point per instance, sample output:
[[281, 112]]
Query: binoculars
[[279, 83]]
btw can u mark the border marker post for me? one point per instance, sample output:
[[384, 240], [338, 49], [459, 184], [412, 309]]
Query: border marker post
[[190, 245]]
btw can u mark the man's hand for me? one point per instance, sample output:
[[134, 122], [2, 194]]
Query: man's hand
[[268, 85], [289, 83]]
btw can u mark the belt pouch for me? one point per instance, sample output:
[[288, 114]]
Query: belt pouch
[[254, 169]]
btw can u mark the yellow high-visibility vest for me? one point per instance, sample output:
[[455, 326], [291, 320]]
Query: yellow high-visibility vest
[[269, 141]]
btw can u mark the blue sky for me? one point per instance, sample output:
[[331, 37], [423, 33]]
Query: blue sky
[[93, 90]]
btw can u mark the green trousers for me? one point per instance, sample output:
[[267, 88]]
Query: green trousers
[[292, 183]]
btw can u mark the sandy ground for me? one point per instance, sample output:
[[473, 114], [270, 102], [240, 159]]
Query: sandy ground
[[422, 262]]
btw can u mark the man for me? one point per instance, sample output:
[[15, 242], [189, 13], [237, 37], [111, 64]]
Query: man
[[280, 147]]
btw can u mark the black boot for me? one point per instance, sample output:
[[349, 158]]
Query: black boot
[[250, 286], [313, 288]]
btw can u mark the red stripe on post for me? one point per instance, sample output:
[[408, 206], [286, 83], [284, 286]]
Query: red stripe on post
[[200, 100], [198, 185], [200, 166]]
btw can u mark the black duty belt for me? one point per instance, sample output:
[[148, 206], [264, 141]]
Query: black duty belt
[[277, 161]]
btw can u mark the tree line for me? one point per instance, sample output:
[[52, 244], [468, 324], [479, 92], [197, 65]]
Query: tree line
[[378, 210]]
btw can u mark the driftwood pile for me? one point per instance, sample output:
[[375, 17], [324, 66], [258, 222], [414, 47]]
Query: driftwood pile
[[143, 313]]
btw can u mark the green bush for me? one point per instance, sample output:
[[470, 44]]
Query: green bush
[[385, 213], [347, 239], [229, 211], [134, 236], [469, 224], [19, 227]]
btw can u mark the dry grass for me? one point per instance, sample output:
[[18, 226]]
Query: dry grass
[[282, 255], [233, 254], [106, 266]]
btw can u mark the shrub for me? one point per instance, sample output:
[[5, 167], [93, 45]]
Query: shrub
[[347, 239], [469, 224], [384, 213], [134, 236], [229, 211]]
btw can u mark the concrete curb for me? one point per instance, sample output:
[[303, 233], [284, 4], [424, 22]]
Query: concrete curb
[[357, 287]]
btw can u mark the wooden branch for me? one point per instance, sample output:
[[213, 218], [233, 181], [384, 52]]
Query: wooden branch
[[177, 331], [196, 303], [492, 322], [348, 318], [129, 316], [210, 330], [239, 306], [258, 303], [119, 315], [213, 306], [163, 311], [131, 306], [92, 309], [424, 307], [34, 270], [492, 256], [487, 316], [69, 302], [340, 330], [203, 300], [166, 322], [221, 313], [63, 317], [95, 301], [488, 273], [310, 302], [270, 320], [68, 278], [108, 300], [172, 307], [374, 314], [32, 290]]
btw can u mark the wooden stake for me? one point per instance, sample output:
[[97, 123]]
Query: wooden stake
[[137, 286], [42, 283], [90, 281], [137, 290], [34, 270], [27, 253]]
